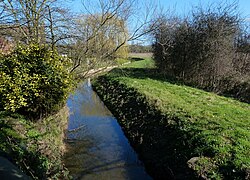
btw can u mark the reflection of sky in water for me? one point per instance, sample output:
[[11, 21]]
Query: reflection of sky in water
[[98, 149]]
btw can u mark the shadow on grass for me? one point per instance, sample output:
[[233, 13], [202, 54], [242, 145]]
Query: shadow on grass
[[161, 149], [143, 73], [135, 59], [164, 142], [153, 73]]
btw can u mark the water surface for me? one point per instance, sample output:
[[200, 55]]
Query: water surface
[[96, 145]]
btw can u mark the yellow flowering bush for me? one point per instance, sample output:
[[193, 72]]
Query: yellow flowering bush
[[33, 80]]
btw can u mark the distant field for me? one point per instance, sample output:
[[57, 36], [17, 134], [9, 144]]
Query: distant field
[[141, 55], [147, 63]]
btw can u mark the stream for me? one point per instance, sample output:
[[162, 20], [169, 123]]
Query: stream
[[96, 145]]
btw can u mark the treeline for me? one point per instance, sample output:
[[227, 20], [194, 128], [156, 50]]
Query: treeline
[[136, 48], [209, 49]]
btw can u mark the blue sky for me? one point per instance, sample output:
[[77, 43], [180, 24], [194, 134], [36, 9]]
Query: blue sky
[[181, 6], [184, 6]]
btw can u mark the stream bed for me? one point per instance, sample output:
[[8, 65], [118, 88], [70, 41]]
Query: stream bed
[[96, 145]]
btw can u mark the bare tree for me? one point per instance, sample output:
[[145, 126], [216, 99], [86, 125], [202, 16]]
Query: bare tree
[[101, 33], [35, 21], [106, 28], [27, 17]]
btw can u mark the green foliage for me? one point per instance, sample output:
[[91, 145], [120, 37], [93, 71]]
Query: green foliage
[[120, 61], [181, 122], [52, 144], [18, 140], [122, 52], [33, 80], [35, 147]]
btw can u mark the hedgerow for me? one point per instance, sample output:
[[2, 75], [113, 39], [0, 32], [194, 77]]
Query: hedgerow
[[208, 49]]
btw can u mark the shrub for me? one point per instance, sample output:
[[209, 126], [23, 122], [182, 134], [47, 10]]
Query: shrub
[[33, 81], [199, 50], [205, 49]]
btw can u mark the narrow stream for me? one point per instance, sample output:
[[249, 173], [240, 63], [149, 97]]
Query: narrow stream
[[96, 145]]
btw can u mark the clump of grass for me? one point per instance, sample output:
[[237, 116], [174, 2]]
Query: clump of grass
[[35, 147], [18, 143], [216, 129], [51, 144]]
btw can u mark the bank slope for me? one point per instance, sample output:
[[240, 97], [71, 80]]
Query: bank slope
[[176, 128]]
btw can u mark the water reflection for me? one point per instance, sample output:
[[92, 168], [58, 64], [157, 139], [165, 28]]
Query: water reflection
[[96, 145]]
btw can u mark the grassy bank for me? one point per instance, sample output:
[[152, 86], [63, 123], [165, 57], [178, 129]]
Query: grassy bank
[[176, 128], [35, 147]]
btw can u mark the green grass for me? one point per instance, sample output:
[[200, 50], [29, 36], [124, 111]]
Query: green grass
[[146, 63], [218, 127], [18, 141], [35, 147]]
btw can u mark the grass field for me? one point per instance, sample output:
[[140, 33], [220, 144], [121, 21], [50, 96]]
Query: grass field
[[217, 129]]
